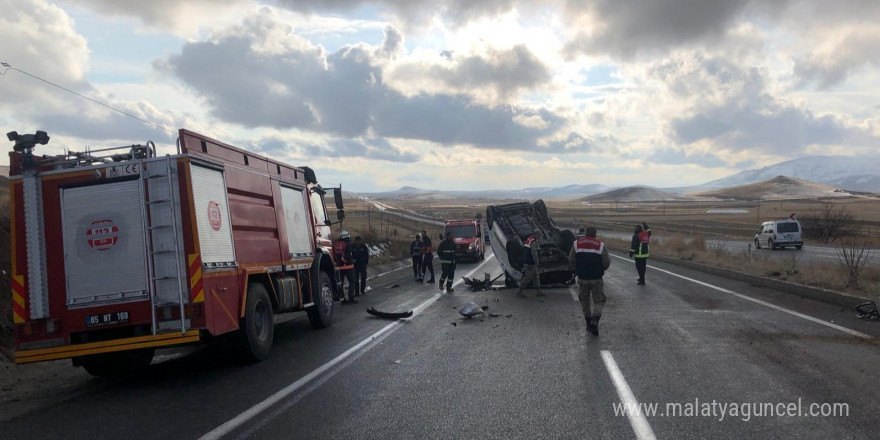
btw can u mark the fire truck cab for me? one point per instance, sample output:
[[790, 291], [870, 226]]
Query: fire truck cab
[[469, 244], [117, 252]]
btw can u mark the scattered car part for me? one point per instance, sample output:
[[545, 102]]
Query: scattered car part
[[868, 310], [389, 315], [471, 309]]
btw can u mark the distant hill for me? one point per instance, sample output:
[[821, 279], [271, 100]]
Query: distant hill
[[777, 188], [853, 173], [565, 192], [632, 194]]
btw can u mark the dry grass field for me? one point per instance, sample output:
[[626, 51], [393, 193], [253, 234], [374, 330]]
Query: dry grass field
[[374, 226]]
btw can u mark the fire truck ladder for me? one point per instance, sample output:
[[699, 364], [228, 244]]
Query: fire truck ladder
[[161, 238]]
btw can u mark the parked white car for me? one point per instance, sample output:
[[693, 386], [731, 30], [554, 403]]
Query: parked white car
[[779, 234]]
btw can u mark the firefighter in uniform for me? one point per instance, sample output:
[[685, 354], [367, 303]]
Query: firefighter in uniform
[[361, 255], [427, 257], [590, 260], [345, 262], [531, 264], [415, 251], [638, 250], [446, 254]]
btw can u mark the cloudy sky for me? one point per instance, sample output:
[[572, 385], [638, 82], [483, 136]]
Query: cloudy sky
[[457, 94]]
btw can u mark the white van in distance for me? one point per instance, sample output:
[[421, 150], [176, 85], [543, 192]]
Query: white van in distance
[[779, 234]]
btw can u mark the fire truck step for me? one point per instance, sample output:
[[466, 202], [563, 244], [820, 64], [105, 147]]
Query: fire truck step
[[153, 202], [160, 227], [164, 278], [169, 251]]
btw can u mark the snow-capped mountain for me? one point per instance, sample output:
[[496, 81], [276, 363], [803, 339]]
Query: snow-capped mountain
[[855, 173]]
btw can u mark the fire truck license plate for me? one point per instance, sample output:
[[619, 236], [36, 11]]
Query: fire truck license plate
[[106, 319]]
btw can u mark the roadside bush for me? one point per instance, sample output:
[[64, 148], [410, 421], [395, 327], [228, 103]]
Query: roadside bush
[[826, 222], [854, 257]]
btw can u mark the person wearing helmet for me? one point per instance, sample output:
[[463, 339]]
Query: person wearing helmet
[[345, 264], [530, 263], [446, 254]]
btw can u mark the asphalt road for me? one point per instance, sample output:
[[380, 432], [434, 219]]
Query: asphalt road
[[809, 254], [533, 372]]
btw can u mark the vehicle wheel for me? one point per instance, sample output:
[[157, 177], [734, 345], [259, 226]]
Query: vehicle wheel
[[117, 364], [254, 339], [541, 208], [799, 247], [757, 244], [568, 239], [321, 314], [770, 245]]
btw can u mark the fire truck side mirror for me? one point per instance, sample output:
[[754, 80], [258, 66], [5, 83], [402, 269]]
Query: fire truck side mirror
[[340, 214], [337, 197]]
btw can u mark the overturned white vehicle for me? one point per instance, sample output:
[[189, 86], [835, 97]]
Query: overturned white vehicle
[[513, 223]]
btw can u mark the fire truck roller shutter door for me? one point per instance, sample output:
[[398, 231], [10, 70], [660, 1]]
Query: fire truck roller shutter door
[[296, 221], [212, 215], [103, 234]]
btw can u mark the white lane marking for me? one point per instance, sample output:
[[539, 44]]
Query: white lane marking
[[250, 413], [764, 303], [637, 420]]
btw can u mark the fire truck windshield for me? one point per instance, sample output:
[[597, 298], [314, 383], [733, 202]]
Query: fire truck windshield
[[462, 230]]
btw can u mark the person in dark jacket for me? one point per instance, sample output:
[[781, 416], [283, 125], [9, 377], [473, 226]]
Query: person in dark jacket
[[446, 254], [590, 260], [531, 270], [361, 255], [415, 251], [638, 250], [345, 263], [427, 257]]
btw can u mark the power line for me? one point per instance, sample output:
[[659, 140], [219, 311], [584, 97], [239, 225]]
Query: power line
[[9, 67]]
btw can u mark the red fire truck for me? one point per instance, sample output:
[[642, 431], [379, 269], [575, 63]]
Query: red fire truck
[[469, 242], [117, 252]]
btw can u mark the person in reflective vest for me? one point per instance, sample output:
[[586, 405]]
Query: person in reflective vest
[[531, 264], [427, 257], [345, 263], [590, 259], [415, 251], [638, 250], [446, 254]]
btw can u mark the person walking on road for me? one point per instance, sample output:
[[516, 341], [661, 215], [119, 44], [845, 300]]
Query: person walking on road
[[427, 257], [361, 255], [345, 263], [446, 254], [590, 260], [531, 264], [638, 249], [415, 251]]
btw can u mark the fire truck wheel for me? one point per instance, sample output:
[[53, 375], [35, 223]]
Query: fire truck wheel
[[321, 314], [117, 364], [257, 327]]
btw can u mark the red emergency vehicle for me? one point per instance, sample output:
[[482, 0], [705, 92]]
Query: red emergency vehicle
[[469, 244], [117, 252]]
